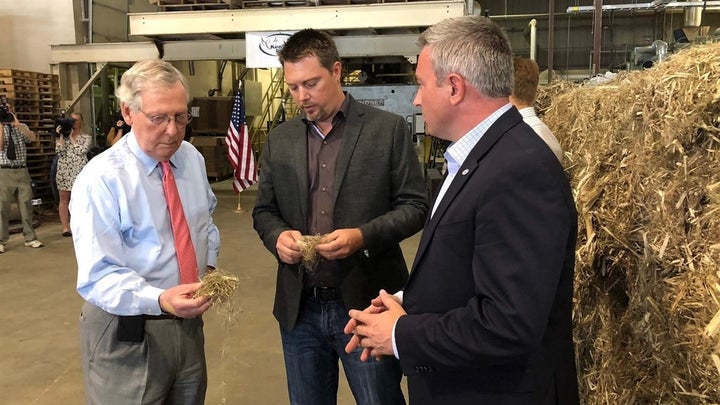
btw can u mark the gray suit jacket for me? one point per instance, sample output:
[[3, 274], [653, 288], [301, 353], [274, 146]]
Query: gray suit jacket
[[379, 188]]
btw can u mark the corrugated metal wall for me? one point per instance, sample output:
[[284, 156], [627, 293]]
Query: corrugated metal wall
[[622, 30]]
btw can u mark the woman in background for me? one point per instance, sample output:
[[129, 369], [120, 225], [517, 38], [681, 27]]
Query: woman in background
[[72, 156], [117, 131]]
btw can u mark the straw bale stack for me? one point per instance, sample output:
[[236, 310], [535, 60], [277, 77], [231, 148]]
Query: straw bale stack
[[546, 94], [643, 154]]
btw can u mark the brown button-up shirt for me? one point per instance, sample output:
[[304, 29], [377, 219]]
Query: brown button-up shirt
[[323, 150]]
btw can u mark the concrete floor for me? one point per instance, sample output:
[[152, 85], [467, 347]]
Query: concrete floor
[[39, 353]]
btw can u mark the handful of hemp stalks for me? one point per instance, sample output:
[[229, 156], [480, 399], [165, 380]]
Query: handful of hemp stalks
[[307, 249], [219, 285]]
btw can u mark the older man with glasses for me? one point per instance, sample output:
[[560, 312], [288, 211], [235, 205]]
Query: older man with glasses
[[143, 232]]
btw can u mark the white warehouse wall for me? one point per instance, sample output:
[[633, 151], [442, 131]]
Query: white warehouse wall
[[28, 29]]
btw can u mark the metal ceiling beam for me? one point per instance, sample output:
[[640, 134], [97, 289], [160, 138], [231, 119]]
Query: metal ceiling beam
[[105, 52], [227, 49], [657, 5], [134, 51], [385, 15], [608, 7], [683, 4], [378, 45]]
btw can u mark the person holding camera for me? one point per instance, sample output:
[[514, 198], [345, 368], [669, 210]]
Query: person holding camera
[[117, 131], [14, 176], [71, 147]]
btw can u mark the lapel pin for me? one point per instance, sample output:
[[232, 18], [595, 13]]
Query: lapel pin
[[465, 172]]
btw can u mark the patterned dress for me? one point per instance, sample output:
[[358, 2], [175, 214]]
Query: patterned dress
[[72, 157]]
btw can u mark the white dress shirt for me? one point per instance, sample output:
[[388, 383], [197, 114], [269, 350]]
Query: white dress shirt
[[530, 118], [121, 226]]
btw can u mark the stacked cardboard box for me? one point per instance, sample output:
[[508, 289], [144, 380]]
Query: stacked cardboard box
[[213, 114], [215, 151]]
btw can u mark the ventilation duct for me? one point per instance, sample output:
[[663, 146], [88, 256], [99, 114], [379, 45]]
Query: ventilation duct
[[692, 16], [533, 39]]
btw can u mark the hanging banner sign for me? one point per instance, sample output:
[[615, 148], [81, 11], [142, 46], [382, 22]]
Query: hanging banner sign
[[261, 48]]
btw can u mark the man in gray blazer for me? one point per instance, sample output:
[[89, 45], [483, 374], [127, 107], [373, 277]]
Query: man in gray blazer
[[347, 171]]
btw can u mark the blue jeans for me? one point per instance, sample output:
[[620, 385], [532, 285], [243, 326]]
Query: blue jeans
[[312, 350]]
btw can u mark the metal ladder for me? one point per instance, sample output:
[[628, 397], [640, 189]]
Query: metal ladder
[[278, 106]]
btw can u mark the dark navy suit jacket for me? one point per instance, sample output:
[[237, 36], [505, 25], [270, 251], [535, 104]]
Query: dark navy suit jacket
[[489, 298]]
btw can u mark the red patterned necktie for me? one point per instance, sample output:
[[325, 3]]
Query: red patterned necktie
[[187, 261]]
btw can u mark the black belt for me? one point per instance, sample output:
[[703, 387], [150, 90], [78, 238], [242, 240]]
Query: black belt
[[165, 316], [323, 293], [11, 167]]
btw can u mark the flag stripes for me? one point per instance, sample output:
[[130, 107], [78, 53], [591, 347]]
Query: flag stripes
[[240, 151]]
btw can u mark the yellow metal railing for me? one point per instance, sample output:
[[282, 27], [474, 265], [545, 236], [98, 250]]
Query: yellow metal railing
[[259, 128]]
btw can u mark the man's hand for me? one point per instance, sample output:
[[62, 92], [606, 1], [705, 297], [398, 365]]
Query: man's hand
[[23, 128], [287, 247], [373, 326], [340, 243], [179, 301], [59, 139], [376, 307]]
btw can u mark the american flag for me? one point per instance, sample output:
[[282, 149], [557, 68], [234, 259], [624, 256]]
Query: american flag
[[240, 151]]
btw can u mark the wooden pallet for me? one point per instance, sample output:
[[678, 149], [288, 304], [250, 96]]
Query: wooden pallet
[[12, 80], [49, 97], [181, 5], [32, 88], [185, 2], [277, 3], [35, 98], [47, 77], [18, 73], [13, 96]]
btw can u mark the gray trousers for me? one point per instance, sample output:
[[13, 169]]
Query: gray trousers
[[167, 367], [12, 181]]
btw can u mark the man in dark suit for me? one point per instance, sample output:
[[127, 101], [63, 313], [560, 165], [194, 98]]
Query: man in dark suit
[[349, 172], [485, 317]]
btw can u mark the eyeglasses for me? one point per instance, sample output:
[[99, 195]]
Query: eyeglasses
[[164, 120]]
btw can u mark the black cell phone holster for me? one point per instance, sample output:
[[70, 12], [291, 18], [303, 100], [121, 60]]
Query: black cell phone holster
[[131, 328]]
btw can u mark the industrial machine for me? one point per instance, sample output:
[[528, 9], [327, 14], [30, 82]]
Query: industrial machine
[[399, 100], [647, 56]]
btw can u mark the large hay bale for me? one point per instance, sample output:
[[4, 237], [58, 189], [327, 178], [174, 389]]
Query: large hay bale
[[642, 153]]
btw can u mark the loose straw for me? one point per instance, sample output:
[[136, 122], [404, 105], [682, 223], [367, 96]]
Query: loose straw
[[309, 255]]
